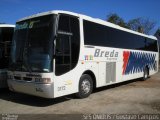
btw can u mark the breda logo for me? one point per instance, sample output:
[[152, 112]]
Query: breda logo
[[101, 53]]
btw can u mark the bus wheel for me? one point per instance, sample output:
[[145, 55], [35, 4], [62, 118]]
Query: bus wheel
[[85, 86], [146, 73]]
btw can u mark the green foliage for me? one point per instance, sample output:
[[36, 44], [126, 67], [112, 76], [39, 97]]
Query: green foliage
[[114, 18], [158, 31]]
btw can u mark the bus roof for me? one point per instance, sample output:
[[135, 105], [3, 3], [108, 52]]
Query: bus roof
[[96, 20], [6, 25]]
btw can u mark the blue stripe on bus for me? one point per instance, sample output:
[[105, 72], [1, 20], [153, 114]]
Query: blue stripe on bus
[[138, 60]]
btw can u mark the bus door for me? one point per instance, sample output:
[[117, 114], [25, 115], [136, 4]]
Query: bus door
[[63, 53], [67, 44]]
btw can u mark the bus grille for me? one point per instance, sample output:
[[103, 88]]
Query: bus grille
[[17, 78], [22, 78], [27, 79]]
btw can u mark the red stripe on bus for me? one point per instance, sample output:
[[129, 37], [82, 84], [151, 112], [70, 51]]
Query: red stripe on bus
[[126, 55]]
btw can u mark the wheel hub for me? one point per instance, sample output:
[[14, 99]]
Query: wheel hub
[[85, 86]]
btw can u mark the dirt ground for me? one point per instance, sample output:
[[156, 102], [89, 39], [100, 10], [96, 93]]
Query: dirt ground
[[133, 97]]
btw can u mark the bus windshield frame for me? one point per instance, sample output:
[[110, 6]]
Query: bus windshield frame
[[33, 47]]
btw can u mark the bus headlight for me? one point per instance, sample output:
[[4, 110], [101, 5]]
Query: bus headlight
[[43, 80]]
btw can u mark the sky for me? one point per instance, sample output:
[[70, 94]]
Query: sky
[[13, 10]]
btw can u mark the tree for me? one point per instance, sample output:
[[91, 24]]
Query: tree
[[115, 19], [157, 34], [142, 25]]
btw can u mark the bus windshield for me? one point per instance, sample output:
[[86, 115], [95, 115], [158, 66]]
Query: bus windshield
[[32, 49]]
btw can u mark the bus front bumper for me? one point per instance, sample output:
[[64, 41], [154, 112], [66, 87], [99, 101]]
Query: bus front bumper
[[31, 88]]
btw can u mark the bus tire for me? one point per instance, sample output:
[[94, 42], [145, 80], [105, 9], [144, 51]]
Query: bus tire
[[85, 86], [145, 74]]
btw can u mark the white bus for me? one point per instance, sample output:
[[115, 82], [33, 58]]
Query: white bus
[[6, 33], [58, 53]]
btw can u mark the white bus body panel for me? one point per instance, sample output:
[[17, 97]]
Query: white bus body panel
[[109, 61]]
